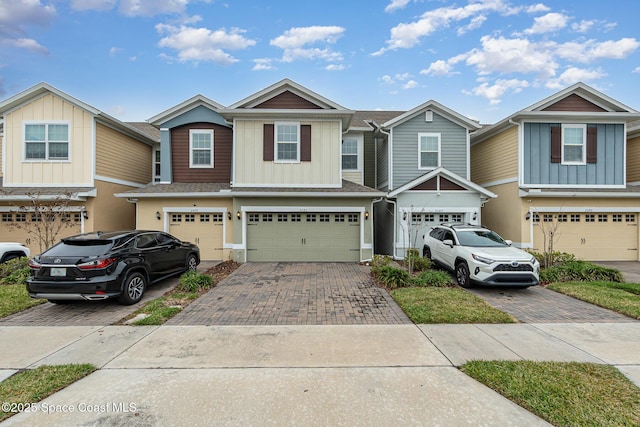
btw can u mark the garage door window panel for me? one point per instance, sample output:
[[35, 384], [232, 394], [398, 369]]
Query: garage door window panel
[[201, 148]]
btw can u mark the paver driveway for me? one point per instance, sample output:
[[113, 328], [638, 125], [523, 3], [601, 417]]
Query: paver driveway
[[294, 294]]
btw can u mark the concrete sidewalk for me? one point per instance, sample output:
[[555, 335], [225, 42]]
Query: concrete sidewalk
[[292, 375]]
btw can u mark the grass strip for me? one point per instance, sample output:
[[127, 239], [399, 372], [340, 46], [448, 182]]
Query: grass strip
[[563, 393], [447, 305], [623, 298], [33, 385], [15, 298]]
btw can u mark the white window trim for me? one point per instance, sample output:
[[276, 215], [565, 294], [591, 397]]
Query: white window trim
[[156, 178], [584, 144], [429, 134], [359, 153], [200, 131], [275, 142], [46, 159]]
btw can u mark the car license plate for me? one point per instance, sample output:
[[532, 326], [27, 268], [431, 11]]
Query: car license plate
[[58, 272]]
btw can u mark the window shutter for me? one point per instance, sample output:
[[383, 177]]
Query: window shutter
[[592, 144], [267, 144], [556, 144], [305, 143]]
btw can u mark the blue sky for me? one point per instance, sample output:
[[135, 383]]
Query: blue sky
[[483, 58]]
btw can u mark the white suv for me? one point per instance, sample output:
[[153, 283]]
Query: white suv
[[479, 255]]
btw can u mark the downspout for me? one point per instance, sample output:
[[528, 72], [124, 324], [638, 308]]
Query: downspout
[[530, 214]]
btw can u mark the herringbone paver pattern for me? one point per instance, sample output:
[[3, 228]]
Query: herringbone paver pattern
[[294, 294]]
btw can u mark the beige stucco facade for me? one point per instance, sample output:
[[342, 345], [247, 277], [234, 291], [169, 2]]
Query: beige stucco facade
[[250, 170]]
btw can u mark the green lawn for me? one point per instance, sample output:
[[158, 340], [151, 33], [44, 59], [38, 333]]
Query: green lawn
[[447, 305], [33, 385], [620, 297], [14, 298], [564, 394]]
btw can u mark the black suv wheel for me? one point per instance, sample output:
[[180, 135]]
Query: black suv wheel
[[133, 289]]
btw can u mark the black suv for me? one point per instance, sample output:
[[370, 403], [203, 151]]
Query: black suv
[[97, 266]]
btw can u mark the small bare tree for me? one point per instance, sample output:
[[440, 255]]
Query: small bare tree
[[549, 225], [43, 218]]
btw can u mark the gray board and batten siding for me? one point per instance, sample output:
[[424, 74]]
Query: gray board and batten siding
[[608, 169], [453, 146]]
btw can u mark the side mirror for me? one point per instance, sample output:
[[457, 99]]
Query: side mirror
[[508, 242], [448, 242]]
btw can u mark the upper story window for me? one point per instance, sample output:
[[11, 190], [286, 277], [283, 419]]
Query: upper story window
[[201, 148], [287, 142], [350, 154], [574, 139], [156, 165], [428, 150], [46, 141]]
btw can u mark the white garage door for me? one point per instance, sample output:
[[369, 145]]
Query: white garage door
[[203, 229], [590, 236], [288, 236]]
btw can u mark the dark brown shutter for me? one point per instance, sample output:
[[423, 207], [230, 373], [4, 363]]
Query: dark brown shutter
[[267, 143], [305, 143], [592, 144], [556, 144]]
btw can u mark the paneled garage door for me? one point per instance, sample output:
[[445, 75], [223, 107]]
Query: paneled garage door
[[203, 229], [591, 236], [303, 236]]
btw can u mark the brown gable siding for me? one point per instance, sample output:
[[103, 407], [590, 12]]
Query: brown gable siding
[[574, 102], [430, 185], [288, 101], [447, 185], [222, 143]]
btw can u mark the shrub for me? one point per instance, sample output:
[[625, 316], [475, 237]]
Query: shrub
[[417, 262], [580, 271], [15, 271], [380, 261], [393, 277], [556, 257], [435, 278], [192, 281]]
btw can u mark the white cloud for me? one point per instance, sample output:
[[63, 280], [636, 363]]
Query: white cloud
[[99, 5], [335, 67], [396, 4], [438, 68], [297, 43], [573, 75], [537, 8], [592, 50], [17, 16], [410, 84], [473, 25], [300, 36], [548, 23], [583, 26], [636, 70], [389, 80], [203, 44], [263, 64], [519, 55], [407, 35], [495, 92], [26, 44], [151, 7], [115, 50]]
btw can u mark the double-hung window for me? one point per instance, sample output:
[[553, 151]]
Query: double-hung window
[[574, 138], [156, 165], [287, 142], [428, 150], [46, 141], [201, 148], [350, 154]]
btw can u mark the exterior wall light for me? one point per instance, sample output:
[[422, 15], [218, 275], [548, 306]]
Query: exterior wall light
[[228, 215], [238, 214], [366, 215], [85, 214], [158, 216]]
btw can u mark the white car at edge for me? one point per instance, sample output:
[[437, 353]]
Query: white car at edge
[[478, 255], [11, 250]]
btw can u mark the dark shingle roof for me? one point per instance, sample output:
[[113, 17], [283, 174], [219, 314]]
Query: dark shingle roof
[[146, 128], [360, 118]]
